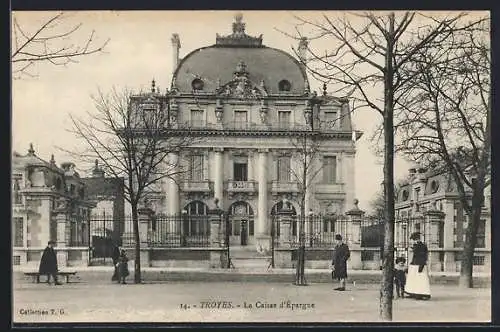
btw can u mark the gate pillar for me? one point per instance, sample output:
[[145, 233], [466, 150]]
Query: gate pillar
[[355, 216]]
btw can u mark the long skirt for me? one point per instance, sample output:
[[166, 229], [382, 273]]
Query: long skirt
[[417, 283]]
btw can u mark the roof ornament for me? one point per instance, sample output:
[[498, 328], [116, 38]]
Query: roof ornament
[[238, 25], [153, 83], [52, 160], [324, 89], [239, 37], [31, 151]]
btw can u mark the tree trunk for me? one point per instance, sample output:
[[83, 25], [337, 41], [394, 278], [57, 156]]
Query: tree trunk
[[466, 279], [137, 260], [386, 291]]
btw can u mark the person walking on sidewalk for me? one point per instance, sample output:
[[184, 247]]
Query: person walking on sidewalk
[[48, 263], [417, 283], [123, 266], [115, 257], [341, 254]]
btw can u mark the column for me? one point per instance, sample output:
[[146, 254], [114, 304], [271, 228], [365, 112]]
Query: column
[[219, 174], [262, 228], [62, 239], [346, 164], [173, 197]]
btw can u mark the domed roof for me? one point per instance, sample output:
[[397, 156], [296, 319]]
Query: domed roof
[[215, 65]]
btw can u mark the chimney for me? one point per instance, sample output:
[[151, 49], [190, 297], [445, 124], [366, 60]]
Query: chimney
[[302, 50], [176, 45]]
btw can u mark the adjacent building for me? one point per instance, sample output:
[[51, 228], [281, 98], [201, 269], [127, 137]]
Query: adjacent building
[[48, 203], [428, 202]]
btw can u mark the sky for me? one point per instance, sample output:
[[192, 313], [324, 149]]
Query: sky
[[139, 49]]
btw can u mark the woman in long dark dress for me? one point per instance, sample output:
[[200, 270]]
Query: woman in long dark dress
[[116, 257], [123, 266], [417, 282]]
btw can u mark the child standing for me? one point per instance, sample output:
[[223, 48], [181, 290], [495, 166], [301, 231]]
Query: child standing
[[400, 271]]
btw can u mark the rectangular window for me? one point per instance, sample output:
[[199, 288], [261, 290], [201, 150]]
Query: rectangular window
[[196, 168], [149, 117], [18, 198], [330, 120], [284, 169], [18, 232], [330, 169], [240, 119], [240, 171], [481, 234], [284, 119], [197, 118], [478, 260]]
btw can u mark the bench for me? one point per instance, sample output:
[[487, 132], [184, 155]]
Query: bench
[[36, 275]]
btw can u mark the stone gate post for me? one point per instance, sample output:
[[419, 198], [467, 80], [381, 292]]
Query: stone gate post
[[355, 216], [63, 228], [217, 255], [434, 219], [145, 216]]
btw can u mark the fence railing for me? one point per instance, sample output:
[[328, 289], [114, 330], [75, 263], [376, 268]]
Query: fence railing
[[180, 231], [320, 231]]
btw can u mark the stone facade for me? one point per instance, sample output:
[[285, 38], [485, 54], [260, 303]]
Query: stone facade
[[431, 198], [48, 203], [254, 123]]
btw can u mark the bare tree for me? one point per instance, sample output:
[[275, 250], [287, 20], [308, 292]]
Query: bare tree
[[51, 41], [303, 171], [447, 117], [365, 61], [131, 137]]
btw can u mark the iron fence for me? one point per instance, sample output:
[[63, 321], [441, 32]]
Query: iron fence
[[179, 231], [320, 231]]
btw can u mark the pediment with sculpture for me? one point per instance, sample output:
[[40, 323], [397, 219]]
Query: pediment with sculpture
[[241, 86]]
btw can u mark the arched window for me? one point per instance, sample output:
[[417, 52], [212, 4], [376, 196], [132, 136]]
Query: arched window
[[239, 211], [284, 85], [196, 219]]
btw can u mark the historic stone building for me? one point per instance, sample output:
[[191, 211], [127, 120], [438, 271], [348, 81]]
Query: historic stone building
[[48, 203], [256, 120], [428, 202]]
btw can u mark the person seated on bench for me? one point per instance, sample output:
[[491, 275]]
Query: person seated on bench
[[48, 263]]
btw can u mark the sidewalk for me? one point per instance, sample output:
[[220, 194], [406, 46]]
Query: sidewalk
[[162, 274], [238, 302]]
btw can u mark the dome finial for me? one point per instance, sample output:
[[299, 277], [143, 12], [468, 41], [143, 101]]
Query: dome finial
[[52, 160], [238, 25], [153, 83]]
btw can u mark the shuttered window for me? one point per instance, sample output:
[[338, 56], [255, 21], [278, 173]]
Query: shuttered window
[[196, 168], [330, 169], [284, 169]]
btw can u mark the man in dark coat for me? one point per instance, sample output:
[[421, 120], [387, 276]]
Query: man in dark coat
[[341, 254], [48, 263], [115, 256]]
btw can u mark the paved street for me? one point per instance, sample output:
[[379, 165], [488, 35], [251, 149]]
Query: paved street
[[187, 302]]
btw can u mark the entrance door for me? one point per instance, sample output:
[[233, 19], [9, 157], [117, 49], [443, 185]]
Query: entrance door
[[244, 232]]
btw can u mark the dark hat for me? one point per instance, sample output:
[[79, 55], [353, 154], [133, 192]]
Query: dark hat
[[51, 242], [338, 237], [415, 236]]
